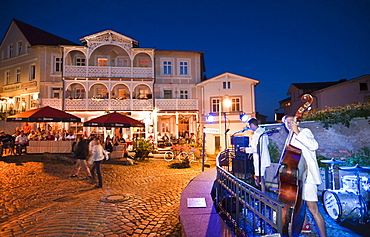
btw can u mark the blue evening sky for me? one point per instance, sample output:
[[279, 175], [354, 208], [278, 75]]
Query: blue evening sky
[[277, 42]]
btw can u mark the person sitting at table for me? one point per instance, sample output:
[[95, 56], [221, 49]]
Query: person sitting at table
[[50, 137], [70, 136], [108, 144], [21, 142], [32, 136]]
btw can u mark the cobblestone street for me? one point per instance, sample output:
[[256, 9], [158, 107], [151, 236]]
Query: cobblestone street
[[40, 199]]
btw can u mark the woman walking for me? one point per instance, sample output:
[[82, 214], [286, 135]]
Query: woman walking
[[98, 155], [81, 152]]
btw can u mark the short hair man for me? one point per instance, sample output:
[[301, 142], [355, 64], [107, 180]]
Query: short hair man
[[308, 168]]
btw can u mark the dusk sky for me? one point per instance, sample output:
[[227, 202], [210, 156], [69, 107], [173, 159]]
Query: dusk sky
[[275, 42]]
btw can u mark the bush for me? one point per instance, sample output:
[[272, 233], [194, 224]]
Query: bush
[[343, 114]]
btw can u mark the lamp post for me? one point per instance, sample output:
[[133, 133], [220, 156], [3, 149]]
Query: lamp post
[[225, 102]]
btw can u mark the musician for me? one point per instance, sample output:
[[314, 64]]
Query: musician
[[308, 168], [263, 150]]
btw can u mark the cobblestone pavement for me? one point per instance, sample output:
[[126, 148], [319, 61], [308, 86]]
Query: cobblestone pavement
[[40, 199]]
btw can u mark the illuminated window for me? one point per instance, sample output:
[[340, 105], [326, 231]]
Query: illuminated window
[[7, 77], [80, 61], [32, 74], [102, 62], [144, 63], [18, 75], [215, 103], [167, 67], [183, 67], [235, 104]]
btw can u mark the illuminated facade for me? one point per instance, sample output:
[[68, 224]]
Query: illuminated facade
[[108, 71]]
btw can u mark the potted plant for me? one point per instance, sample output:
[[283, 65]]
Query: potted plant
[[142, 148]]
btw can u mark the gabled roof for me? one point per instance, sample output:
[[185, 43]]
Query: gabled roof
[[228, 75], [36, 36], [314, 86], [125, 38]]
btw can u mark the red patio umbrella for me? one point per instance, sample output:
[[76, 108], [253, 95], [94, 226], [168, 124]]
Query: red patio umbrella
[[114, 120], [44, 114]]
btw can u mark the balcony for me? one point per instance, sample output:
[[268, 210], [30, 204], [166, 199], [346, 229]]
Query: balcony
[[123, 105], [176, 104], [115, 72]]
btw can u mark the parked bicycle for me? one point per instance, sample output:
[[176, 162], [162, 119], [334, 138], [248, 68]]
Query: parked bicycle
[[180, 152]]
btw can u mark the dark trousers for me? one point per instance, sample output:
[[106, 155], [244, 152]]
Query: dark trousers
[[97, 167]]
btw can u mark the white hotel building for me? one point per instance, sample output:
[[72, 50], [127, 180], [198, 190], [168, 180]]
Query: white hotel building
[[108, 71]]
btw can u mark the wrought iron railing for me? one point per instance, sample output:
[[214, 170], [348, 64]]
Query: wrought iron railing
[[246, 209]]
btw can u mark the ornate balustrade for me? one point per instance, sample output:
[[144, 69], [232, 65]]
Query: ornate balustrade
[[176, 104], [96, 71]]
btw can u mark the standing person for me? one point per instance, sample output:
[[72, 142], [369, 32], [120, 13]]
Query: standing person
[[21, 142], [26, 129], [260, 151], [81, 153], [98, 155], [308, 168]]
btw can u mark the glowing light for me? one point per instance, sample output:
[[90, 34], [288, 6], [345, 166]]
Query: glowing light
[[210, 118]]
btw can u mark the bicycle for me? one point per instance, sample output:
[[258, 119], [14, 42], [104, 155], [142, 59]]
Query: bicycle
[[180, 153]]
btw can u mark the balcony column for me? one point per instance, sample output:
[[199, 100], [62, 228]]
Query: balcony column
[[177, 125]]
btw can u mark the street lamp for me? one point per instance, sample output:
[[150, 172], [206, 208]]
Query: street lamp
[[226, 103]]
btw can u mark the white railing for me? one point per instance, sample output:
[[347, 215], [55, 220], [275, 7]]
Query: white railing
[[138, 104], [96, 71], [75, 104], [176, 104], [55, 103]]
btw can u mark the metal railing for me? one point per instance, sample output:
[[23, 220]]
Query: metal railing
[[247, 210]]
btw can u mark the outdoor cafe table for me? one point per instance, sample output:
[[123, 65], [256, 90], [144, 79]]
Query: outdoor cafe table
[[49, 146]]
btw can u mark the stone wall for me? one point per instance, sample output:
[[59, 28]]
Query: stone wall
[[338, 142]]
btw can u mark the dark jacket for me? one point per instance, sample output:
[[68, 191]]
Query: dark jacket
[[82, 150]]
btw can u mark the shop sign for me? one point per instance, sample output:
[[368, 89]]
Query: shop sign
[[12, 87], [29, 85]]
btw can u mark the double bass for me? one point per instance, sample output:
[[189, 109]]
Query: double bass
[[290, 187]]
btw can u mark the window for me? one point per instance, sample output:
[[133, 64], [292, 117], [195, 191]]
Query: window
[[226, 85], [19, 48], [143, 63], [56, 93], [143, 93], [32, 72], [7, 77], [121, 62], [184, 94], [10, 50], [79, 93], [80, 61], [183, 67], [167, 67], [235, 104], [363, 86], [102, 62], [17, 75], [57, 64], [215, 105], [168, 94]]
